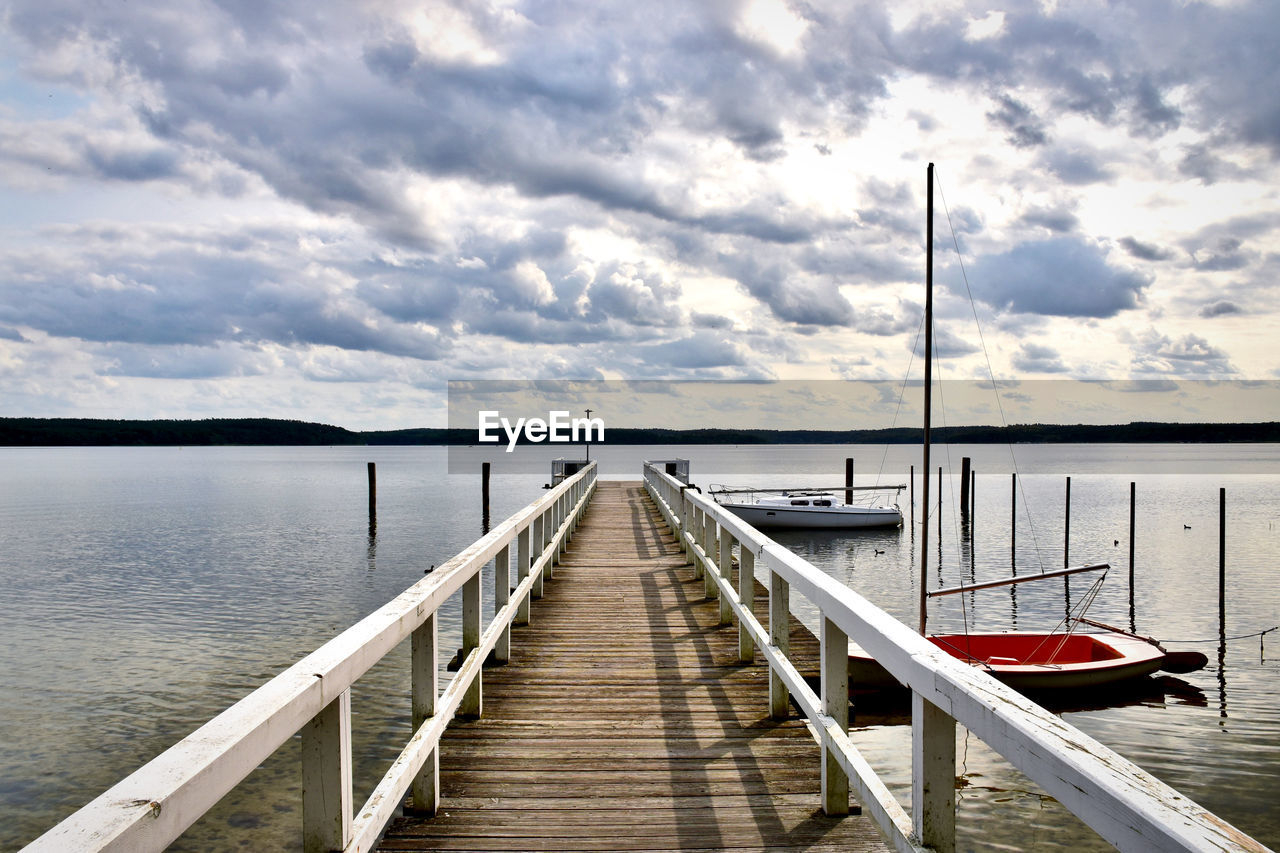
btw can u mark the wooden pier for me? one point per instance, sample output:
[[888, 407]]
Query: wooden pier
[[641, 693], [624, 720]]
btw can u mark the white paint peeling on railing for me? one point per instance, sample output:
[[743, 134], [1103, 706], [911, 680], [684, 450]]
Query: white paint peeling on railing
[[1126, 806], [150, 808]]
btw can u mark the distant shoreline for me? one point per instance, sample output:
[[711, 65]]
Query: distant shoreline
[[85, 432]]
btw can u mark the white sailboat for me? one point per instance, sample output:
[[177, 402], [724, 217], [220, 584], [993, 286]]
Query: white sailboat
[[807, 508]]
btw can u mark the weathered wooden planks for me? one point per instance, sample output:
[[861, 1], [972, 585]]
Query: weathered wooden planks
[[624, 720]]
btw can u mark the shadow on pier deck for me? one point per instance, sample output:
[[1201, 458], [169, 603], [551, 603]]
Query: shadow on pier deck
[[625, 722]]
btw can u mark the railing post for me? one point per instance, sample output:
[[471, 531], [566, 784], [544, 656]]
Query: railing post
[[471, 705], [835, 704], [779, 633], [696, 527], [933, 775], [686, 526], [326, 778], [426, 785], [566, 512], [747, 598], [709, 587], [559, 512], [726, 571], [502, 595], [537, 546], [548, 536], [522, 572]]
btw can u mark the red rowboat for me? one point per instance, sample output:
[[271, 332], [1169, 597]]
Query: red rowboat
[[1033, 661]]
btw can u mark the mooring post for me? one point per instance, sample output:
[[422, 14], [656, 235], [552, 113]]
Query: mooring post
[[1066, 529], [1222, 556], [1013, 516], [965, 464], [484, 495], [973, 500], [373, 495], [848, 480], [939, 506], [913, 495], [1066, 547], [1133, 499]]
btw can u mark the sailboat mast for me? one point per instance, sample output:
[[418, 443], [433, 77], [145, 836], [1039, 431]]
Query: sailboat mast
[[928, 396]]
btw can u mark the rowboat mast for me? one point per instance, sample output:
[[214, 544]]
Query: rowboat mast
[[928, 395]]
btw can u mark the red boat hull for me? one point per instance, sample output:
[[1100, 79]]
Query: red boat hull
[[1035, 661]]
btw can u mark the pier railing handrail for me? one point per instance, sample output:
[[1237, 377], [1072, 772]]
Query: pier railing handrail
[[152, 807], [1124, 804]]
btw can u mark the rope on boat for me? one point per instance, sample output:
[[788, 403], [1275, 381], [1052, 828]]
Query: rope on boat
[[1223, 639]]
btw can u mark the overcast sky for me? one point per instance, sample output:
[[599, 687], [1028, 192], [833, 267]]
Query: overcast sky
[[326, 211]]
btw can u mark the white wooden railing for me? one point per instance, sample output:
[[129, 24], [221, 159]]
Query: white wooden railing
[[1126, 806], [151, 808]]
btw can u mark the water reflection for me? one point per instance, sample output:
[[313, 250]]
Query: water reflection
[[1222, 674], [870, 708], [252, 557]]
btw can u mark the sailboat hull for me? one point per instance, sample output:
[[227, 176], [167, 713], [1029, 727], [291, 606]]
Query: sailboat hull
[[1034, 661], [765, 516]]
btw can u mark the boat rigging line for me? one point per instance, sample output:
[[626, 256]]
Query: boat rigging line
[[995, 388]]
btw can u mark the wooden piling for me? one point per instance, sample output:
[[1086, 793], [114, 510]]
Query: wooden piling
[[1133, 499], [484, 495], [1013, 516], [848, 480], [373, 496], [1222, 556], [1066, 546], [1066, 529], [973, 500], [965, 467], [939, 506]]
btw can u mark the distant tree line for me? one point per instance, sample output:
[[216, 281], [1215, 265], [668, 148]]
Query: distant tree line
[[62, 432], [90, 432]]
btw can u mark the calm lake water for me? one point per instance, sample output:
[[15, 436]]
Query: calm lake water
[[142, 590]]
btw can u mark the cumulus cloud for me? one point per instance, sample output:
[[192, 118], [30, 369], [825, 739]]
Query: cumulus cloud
[[1025, 129], [1064, 276], [1077, 165], [1220, 308], [699, 350], [1144, 251], [467, 186], [1190, 356], [1225, 253], [1038, 358], [1060, 219]]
